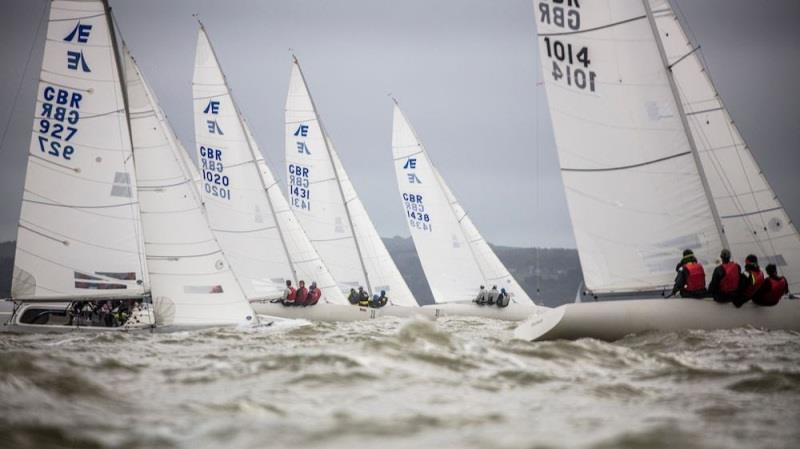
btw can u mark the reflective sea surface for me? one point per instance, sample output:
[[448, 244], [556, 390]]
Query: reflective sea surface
[[397, 383]]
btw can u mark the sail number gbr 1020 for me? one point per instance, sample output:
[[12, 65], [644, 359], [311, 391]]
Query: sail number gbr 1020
[[564, 57]]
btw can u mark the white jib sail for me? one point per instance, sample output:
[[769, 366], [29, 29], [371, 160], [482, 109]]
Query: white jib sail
[[752, 216], [325, 202], [253, 223], [79, 233], [191, 281], [454, 256], [635, 194]]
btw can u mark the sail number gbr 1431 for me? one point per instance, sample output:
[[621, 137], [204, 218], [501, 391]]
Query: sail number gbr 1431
[[570, 64]]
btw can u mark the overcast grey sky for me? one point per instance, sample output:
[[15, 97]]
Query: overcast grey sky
[[464, 71]]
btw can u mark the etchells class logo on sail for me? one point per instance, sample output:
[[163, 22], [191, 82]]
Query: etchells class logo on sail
[[215, 181]]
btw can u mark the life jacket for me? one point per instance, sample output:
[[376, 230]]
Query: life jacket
[[503, 300], [353, 298], [313, 297], [695, 277], [730, 283], [292, 294], [771, 296], [301, 296], [754, 281], [363, 301]]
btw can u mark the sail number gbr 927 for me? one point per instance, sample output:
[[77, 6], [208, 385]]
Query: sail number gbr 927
[[570, 63]]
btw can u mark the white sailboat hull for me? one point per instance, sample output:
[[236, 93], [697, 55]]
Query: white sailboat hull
[[612, 320], [514, 311], [332, 312]]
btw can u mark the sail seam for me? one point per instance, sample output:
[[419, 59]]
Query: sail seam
[[74, 206], [745, 214], [589, 30], [74, 18], [248, 231], [625, 167]]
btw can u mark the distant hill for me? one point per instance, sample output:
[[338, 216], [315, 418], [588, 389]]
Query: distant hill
[[555, 282], [559, 273]]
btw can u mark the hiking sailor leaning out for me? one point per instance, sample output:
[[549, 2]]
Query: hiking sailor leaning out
[[691, 278]]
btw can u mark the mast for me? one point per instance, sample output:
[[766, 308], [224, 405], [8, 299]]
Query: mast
[[685, 123], [252, 155], [124, 89], [338, 179]]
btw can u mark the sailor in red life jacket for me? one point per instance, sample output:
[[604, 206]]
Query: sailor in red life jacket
[[314, 294], [724, 285], [773, 288], [289, 294], [751, 281], [691, 278], [301, 297]]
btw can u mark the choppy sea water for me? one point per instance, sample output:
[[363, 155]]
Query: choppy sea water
[[394, 383]]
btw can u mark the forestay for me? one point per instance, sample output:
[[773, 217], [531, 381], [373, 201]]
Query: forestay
[[249, 215], [192, 283], [79, 232], [327, 206], [753, 218], [635, 194], [454, 256]]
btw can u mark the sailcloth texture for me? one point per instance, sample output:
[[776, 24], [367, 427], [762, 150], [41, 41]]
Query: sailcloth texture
[[79, 232], [635, 191], [252, 220], [326, 204], [191, 281], [454, 256]]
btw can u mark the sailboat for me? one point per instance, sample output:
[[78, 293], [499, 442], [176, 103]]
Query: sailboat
[[108, 214], [652, 163], [454, 256], [250, 216], [327, 206]]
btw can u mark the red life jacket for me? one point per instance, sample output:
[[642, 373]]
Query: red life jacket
[[754, 281], [313, 296], [301, 296], [730, 283], [695, 277], [292, 294], [770, 296]]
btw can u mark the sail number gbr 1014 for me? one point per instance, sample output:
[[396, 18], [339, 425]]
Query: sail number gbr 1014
[[564, 57]]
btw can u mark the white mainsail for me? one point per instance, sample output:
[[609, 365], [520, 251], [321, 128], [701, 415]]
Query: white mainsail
[[325, 202], [248, 212], [191, 281], [635, 192], [79, 232], [753, 218], [455, 257]]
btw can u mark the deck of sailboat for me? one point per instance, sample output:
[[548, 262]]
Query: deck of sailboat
[[612, 320]]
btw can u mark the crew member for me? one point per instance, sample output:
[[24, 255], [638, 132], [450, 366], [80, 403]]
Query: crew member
[[773, 288], [482, 296], [353, 297], [691, 278], [724, 285], [363, 297], [314, 293], [503, 299], [289, 295], [380, 300], [493, 295], [751, 281], [301, 296]]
